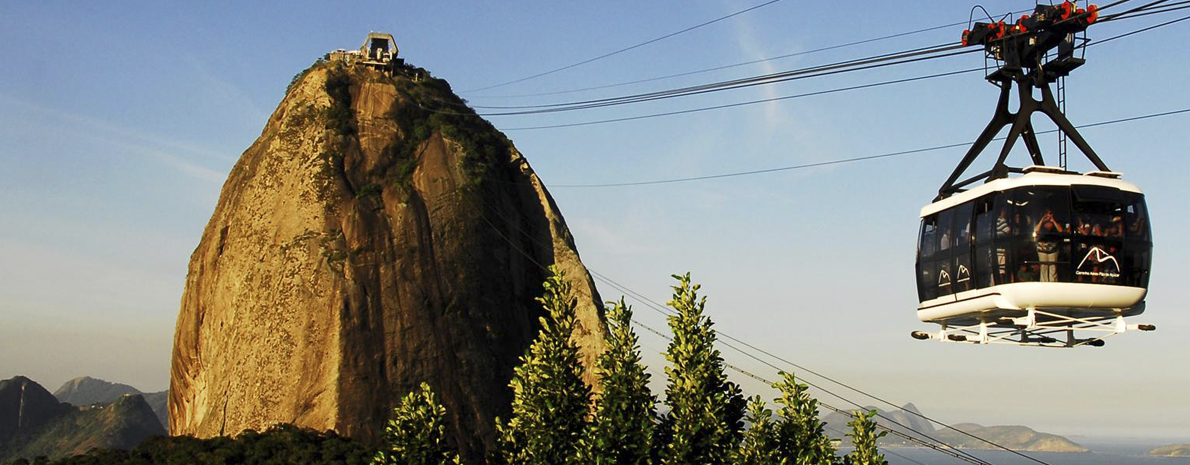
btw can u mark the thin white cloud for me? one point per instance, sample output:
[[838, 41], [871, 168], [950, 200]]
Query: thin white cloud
[[176, 154], [775, 115], [224, 91]]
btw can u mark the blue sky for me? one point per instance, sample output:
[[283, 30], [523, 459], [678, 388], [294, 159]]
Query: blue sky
[[118, 125]]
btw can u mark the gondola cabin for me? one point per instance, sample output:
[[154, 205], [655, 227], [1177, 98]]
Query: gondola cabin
[[1070, 246], [1036, 258]]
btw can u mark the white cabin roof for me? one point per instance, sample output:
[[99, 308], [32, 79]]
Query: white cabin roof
[[1034, 176]]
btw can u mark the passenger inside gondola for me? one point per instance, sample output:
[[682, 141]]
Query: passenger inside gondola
[[1047, 245]]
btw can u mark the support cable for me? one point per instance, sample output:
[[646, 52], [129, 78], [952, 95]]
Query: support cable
[[876, 61], [732, 105], [835, 68], [736, 65], [625, 49], [745, 103], [845, 160]]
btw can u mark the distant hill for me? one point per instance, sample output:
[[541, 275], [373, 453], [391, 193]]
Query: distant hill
[[33, 422], [1173, 450], [159, 402], [85, 390], [25, 407], [1012, 437], [904, 420]]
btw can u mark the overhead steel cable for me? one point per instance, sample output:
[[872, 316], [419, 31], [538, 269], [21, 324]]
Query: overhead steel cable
[[716, 107], [742, 82], [823, 70], [625, 49], [720, 68], [1122, 13], [1164, 9], [1138, 31], [772, 78], [746, 103], [657, 307], [844, 160], [887, 59], [735, 65]]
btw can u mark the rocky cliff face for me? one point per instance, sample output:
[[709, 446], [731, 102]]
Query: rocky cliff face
[[378, 234]]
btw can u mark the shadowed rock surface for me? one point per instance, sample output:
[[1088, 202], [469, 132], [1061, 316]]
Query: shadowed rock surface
[[25, 407], [360, 246], [159, 402]]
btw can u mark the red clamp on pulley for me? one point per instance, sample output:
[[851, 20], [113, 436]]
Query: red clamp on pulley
[[1094, 14], [965, 32], [1067, 10]]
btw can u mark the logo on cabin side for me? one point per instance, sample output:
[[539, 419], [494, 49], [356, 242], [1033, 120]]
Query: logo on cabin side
[[1093, 264]]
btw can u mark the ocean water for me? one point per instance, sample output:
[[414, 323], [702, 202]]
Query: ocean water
[[1101, 454]]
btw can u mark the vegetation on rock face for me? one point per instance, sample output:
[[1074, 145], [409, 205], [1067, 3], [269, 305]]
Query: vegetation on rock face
[[550, 401], [426, 106], [417, 433], [339, 115], [622, 427], [431, 107], [705, 421]]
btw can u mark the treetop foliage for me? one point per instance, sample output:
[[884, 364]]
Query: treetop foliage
[[550, 401], [417, 433], [622, 428], [706, 409]]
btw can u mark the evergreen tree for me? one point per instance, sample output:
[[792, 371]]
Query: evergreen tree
[[550, 401], [800, 434], [622, 428], [706, 410], [416, 434], [759, 446], [863, 434]]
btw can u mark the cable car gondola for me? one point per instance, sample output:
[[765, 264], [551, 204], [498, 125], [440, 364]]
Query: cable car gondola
[[1033, 255]]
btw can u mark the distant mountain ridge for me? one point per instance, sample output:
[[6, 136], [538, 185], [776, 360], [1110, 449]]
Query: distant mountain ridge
[[85, 390], [908, 420], [33, 422]]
